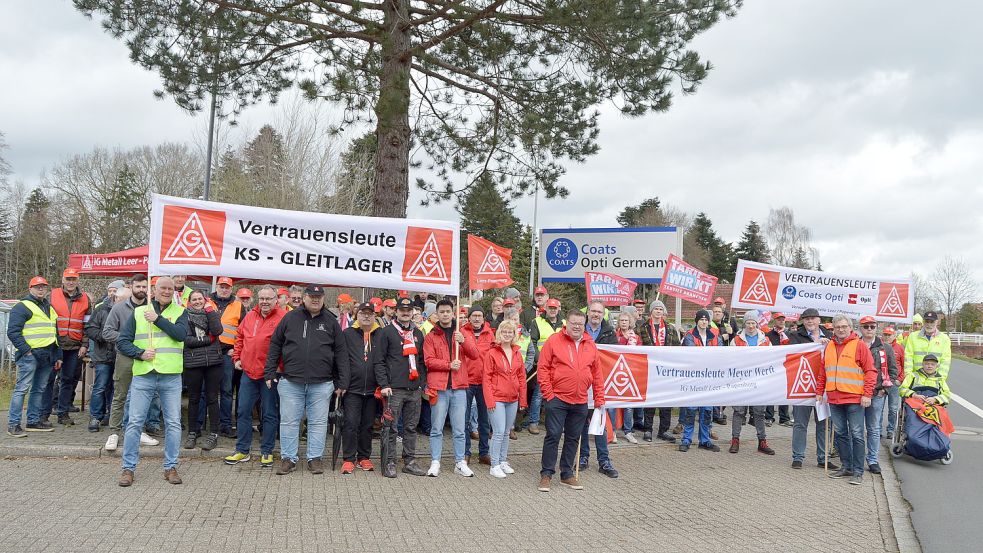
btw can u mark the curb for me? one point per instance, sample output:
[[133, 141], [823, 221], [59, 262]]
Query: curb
[[898, 507]]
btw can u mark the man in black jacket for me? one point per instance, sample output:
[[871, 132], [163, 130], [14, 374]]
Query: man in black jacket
[[356, 382], [400, 371], [602, 333], [808, 333], [102, 357], [308, 341]]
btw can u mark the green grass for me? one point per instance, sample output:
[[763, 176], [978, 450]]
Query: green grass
[[6, 388], [955, 355]]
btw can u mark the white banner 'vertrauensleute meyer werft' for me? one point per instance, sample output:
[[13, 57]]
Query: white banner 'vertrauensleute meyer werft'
[[786, 289], [639, 376], [210, 238]]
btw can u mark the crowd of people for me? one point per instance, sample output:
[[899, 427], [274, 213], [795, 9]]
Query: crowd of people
[[401, 367]]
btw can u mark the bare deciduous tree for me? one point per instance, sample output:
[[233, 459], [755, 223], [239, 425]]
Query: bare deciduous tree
[[789, 244], [953, 284]]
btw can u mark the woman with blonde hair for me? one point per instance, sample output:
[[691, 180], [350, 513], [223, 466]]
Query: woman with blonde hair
[[504, 386]]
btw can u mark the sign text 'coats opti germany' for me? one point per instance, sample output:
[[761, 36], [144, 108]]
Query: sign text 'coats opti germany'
[[638, 376], [612, 290], [684, 281], [786, 289], [637, 253], [210, 238]]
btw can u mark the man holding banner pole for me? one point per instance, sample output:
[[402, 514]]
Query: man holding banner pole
[[702, 336], [809, 332]]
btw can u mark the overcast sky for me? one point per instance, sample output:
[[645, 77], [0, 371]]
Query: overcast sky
[[864, 117]]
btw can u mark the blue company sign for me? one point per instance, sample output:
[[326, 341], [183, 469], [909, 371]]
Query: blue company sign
[[561, 255], [788, 292]]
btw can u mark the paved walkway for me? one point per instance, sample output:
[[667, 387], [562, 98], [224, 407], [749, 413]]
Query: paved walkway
[[664, 500]]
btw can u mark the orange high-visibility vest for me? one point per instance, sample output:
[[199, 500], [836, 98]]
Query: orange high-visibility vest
[[70, 320], [230, 323], [842, 371]]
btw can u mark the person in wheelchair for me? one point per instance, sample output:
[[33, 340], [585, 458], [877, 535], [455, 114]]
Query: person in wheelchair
[[924, 379]]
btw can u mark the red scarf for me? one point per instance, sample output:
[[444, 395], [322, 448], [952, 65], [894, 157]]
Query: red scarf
[[658, 337], [409, 349], [627, 340]]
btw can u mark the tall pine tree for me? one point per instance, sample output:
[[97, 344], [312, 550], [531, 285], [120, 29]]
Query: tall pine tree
[[752, 247], [717, 253], [486, 213]]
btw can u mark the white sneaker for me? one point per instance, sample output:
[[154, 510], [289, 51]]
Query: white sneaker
[[112, 442], [434, 469], [507, 468], [614, 439], [631, 438], [145, 439], [462, 468], [497, 471]]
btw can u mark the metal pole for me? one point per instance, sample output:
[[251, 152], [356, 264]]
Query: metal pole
[[208, 151], [532, 240], [679, 302]]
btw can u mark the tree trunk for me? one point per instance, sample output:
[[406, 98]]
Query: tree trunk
[[391, 185]]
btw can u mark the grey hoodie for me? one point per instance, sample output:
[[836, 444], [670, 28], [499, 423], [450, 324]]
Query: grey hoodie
[[117, 316]]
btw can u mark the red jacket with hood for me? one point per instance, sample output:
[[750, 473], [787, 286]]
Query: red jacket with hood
[[504, 376], [438, 357], [253, 340], [484, 342], [567, 370]]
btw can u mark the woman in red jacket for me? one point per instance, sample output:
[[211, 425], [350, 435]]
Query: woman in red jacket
[[504, 387]]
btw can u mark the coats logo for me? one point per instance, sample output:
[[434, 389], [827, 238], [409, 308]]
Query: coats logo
[[800, 374], [889, 302], [628, 376], [428, 255], [492, 264], [87, 263], [759, 286], [192, 236]]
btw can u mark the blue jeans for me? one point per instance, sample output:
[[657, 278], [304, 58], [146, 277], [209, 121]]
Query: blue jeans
[[102, 383], [848, 423], [893, 404], [249, 392], [502, 418], [687, 417], [33, 371], [453, 402], [535, 403], [628, 424], [872, 418], [472, 417], [71, 368], [295, 398], [142, 391], [476, 393], [800, 431]]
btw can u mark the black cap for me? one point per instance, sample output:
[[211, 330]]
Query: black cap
[[702, 314], [314, 290], [366, 306], [475, 309], [930, 357], [931, 316], [404, 303], [811, 312]]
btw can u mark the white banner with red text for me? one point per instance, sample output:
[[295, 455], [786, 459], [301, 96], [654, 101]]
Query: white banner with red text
[[645, 376], [209, 238], [789, 290]]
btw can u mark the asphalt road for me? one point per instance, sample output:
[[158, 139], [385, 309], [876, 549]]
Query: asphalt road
[[946, 500]]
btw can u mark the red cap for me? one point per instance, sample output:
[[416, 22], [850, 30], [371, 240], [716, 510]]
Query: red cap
[[70, 273], [153, 281], [389, 303], [719, 301], [225, 280], [540, 290], [867, 320], [552, 302], [889, 331], [282, 292], [244, 293], [345, 298], [777, 315], [376, 300], [403, 294], [508, 301], [38, 280]]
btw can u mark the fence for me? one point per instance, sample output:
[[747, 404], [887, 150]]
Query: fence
[[6, 349], [963, 339]]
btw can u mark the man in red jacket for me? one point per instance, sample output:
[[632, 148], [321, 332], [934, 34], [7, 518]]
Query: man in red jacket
[[848, 377], [568, 365], [249, 355], [447, 378]]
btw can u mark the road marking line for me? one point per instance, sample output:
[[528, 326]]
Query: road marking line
[[962, 401]]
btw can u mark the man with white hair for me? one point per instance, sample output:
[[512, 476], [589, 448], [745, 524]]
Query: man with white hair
[[750, 335], [848, 379], [656, 331]]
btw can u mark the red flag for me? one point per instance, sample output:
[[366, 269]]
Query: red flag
[[684, 281], [609, 289], [488, 264]]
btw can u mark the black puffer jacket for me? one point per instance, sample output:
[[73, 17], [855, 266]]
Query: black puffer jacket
[[201, 346], [102, 351], [310, 347]]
